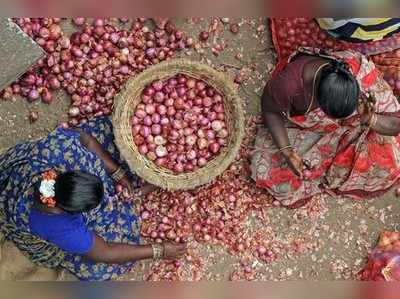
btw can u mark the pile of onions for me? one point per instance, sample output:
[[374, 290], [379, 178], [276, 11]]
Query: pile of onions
[[388, 64], [35, 84], [92, 64], [292, 33], [180, 124]]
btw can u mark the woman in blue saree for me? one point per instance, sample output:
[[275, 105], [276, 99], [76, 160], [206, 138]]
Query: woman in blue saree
[[85, 230]]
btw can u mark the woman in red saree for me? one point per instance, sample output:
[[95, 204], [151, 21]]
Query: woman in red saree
[[303, 151]]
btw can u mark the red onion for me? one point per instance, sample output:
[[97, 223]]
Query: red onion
[[161, 151], [178, 168], [217, 125], [169, 102], [77, 52], [204, 35], [191, 155], [171, 111], [30, 79], [44, 33], [145, 215], [164, 121], [54, 83], [79, 21], [55, 31], [207, 102], [150, 109], [139, 140], [160, 162], [210, 134], [158, 85], [191, 140], [159, 140], [202, 143], [200, 85], [145, 131], [156, 129], [64, 42], [147, 121], [140, 114], [155, 118], [159, 97], [46, 96], [201, 161], [179, 103], [214, 147], [143, 149], [74, 111], [33, 95], [223, 133], [98, 22]]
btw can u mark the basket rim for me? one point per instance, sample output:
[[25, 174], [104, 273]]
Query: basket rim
[[140, 164]]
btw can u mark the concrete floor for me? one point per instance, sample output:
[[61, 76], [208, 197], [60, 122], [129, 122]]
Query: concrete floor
[[336, 233]]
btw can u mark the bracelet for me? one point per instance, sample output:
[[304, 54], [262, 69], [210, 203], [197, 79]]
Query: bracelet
[[285, 147], [118, 174], [158, 251], [373, 120]]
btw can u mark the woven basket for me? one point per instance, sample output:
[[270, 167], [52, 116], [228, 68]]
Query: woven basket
[[130, 97]]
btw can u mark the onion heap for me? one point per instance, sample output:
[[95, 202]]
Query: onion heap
[[38, 83], [93, 63], [292, 33], [389, 64], [180, 124]]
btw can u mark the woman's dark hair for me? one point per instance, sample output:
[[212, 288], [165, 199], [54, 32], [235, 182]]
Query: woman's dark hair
[[78, 192], [338, 90]]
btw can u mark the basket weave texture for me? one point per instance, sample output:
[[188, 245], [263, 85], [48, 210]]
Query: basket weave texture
[[130, 97]]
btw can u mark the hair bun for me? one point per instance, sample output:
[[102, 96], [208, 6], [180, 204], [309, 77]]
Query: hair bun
[[338, 66]]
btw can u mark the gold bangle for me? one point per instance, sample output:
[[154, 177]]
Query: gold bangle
[[118, 174], [158, 251], [373, 120], [285, 147]]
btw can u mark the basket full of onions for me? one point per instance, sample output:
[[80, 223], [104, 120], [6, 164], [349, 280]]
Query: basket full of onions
[[179, 124]]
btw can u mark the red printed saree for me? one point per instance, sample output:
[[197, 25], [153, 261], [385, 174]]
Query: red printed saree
[[346, 158]]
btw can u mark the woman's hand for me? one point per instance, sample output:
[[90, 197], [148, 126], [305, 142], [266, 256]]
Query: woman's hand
[[146, 189], [295, 161], [127, 183], [174, 250]]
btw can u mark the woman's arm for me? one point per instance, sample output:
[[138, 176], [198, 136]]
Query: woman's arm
[[274, 121], [387, 125], [94, 146], [111, 166], [382, 124], [115, 253]]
